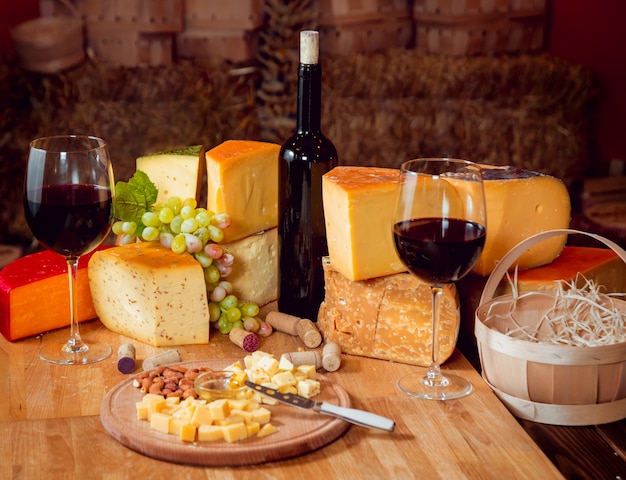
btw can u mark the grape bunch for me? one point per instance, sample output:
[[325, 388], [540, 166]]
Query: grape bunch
[[183, 227]]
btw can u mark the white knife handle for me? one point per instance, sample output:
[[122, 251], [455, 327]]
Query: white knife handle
[[358, 417]]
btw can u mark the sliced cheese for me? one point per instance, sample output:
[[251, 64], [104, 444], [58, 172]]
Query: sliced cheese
[[574, 265], [358, 208], [520, 204], [255, 270], [34, 295], [178, 172], [149, 293], [242, 180], [387, 317]]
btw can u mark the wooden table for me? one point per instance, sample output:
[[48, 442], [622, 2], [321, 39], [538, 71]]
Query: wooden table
[[51, 426]]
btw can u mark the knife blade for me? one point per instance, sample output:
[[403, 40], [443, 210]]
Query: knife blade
[[352, 415]]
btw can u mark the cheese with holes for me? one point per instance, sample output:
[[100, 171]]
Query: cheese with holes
[[520, 204], [177, 172], [34, 295], [574, 265], [147, 292], [255, 269], [242, 180], [358, 208], [386, 317]]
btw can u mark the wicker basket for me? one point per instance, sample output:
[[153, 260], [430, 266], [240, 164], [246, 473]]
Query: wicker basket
[[546, 383]]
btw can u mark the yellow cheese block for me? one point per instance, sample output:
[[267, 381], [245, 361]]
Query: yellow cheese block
[[255, 270], [149, 293], [520, 204], [387, 317], [242, 180], [358, 208], [175, 172]]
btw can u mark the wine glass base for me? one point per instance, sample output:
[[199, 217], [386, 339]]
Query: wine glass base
[[61, 353], [420, 386]]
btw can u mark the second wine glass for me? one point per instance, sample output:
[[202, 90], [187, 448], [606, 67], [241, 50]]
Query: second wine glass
[[68, 206], [439, 229]]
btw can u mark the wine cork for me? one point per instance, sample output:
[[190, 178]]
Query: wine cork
[[164, 358], [283, 322], [309, 47], [244, 339], [309, 333], [126, 358], [308, 357], [331, 357]]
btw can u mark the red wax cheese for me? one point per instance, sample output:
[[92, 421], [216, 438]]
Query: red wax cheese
[[34, 295]]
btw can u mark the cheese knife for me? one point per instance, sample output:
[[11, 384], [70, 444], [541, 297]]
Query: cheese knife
[[352, 415]]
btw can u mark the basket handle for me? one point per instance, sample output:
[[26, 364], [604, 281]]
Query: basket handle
[[513, 254]]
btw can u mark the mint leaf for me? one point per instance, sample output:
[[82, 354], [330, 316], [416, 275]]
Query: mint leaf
[[134, 198]]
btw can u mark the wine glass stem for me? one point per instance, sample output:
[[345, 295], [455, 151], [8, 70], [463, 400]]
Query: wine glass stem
[[75, 343], [434, 376]]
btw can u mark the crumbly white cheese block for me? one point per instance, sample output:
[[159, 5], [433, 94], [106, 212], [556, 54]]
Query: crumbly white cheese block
[[386, 317], [242, 180], [175, 172], [149, 293], [255, 270]]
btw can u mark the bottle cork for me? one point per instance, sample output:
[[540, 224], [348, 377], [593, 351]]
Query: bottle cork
[[331, 357], [309, 333], [126, 358], [164, 358], [309, 47], [308, 357], [244, 339], [283, 322]]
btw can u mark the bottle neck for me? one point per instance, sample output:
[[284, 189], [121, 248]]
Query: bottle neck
[[309, 98]]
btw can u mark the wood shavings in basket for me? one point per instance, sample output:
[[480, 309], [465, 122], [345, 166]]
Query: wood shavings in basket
[[579, 316]]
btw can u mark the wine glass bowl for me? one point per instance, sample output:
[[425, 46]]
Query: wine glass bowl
[[68, 199], [439, 229]]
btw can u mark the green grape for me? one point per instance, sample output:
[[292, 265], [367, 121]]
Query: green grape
[[179, 244], [190, 202], [214, 312], [150, 233], [157, 207], [189, 225], [233, 314], [165, 228], [230, 301], [216, 233], [203, 218], [251, 324], [166, 214], [176, 223], [117, 228], [150, 219], [249, 309], [223, 325], [128, 239], [175, 204], [129, 228], [212, 275], [187, 212], [237, 324], [203, 234], [203, 259]]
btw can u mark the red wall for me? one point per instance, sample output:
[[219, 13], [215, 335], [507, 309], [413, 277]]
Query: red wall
[[588, 32]]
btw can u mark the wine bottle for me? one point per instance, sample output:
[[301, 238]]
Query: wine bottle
[[303, 159]]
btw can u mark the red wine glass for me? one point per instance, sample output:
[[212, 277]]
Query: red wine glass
[[68, 207], [439, 228]]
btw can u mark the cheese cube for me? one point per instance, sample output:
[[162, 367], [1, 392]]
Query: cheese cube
[[35, 298], [175, 172], [210, 433], [520, 204], [242, 180], [261, 415], [147, 292], [283, 378], [160, 422], [143, 410], [258, 376], [308, 388], [219, 409], [188, 433], [266, 430], [308, 370], [245, 415], [285, 363], [268, 364], [176, 426], [358, 208], [202, 416], [394, 315], [255, 271], [252, 428], [234, 432]]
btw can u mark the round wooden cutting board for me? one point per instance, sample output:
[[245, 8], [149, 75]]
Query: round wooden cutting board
[[299, 431]]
